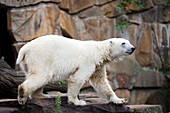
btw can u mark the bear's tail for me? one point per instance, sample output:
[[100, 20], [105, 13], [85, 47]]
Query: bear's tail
[[21, 56]]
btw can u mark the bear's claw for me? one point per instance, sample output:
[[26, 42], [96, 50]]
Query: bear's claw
[[120, 101]]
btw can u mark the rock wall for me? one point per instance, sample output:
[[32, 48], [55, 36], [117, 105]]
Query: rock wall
[[138, 76]]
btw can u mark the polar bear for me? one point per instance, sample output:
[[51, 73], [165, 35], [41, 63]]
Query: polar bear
[[52, 58]]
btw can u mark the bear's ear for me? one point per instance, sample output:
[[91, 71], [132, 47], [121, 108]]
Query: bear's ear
[[111, 43]]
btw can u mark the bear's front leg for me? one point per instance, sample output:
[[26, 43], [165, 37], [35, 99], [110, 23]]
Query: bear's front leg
[[74, 87], [100, 83], [76, 81]]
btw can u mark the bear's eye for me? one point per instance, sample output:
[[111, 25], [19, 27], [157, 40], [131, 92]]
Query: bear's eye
[[123, 43]]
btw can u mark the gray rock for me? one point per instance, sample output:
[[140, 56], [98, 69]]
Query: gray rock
[[20, 3], [47, 105], [146, 108]]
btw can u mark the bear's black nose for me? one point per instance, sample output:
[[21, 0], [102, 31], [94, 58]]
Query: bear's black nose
[[133, 49]]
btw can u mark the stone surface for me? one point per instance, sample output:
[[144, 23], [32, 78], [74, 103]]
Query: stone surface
[[34, 21], [163, 14], [90, 12], [4, 64], [141, 96], [47, 105], [130, 9], [123, 93], [160, 2], [129, 74], [160, 42], [79, 23], [21, 3], [10, 79], [150, 15], [110, 7], [150, 78], [85, 20], [124, 73], [146, 108], [101, 2], [144, 49], [157, 14], [97, 29], [67, 25], [123, 80], [130, 33], [147, 5], [135, 18], [74, 6]]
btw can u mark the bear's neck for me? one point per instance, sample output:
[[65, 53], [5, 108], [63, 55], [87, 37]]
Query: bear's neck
[[104, 53]]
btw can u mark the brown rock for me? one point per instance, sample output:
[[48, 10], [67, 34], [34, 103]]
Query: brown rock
[[124, 73], [67, 25], [131, 8], [157, 35], [128, 66], [123, 80], [149, 96], [157, 14], [28, 23], [130, 33], [135, 18], [20, 3], [74, 6], [123, 93], [149, 78], [160, 2], [110, 77], [146, 42], [144, 49], [110, 7], [100, 2], [163, 14], [147, 5], [150, 15], [97, 29], [156, 58], [141, 96], [157, 29], [115, 33], [79, 23], [90, 12]]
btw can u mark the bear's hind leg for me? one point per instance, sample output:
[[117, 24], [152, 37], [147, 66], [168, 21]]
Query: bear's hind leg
[[31, 84], [22, 95], [38, 94]]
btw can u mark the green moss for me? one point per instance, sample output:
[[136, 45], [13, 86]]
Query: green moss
[[58, 103], [123, 6], [63, 82]]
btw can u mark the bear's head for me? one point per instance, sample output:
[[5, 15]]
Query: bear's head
[[121, 47]]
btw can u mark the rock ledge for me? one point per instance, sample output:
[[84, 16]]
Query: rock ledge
[[94, 104]]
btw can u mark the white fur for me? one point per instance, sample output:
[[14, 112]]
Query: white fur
[[51, 58]]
